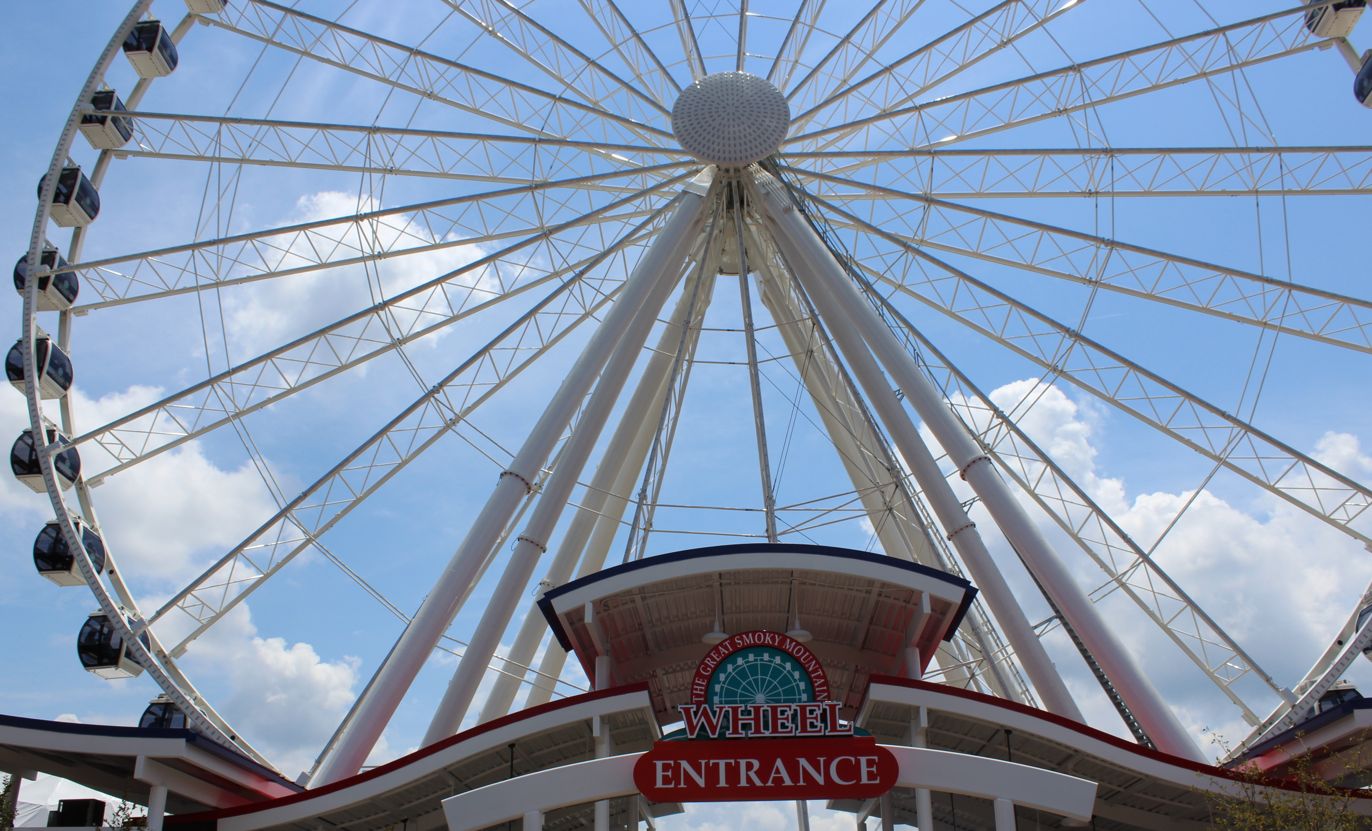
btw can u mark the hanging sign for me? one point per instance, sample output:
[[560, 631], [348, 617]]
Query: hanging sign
[[760, 725]]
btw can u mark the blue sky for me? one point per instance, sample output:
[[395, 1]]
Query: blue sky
[[1278, 582]]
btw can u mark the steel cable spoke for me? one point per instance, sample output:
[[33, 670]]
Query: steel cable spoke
[[1192, 421], [1083, 86], [335, 242], [1233, 294], [358, 475], [477, 91], [339, 346]]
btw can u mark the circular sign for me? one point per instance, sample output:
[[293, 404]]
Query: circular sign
[[759, 667]]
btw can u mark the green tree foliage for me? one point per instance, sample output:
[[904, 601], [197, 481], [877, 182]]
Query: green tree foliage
[[9, 802], [1299, 801]]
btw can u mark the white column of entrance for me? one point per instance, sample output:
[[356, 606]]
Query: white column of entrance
[[157, 806]]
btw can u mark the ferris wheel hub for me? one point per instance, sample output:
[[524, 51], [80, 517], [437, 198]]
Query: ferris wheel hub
[[731, 119]]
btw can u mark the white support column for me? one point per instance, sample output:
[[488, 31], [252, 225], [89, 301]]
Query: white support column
[[647, 398], [602, 743], [912, 663], [439, 608], [976, 468], [860, 449], [157, 806], [605, 525], [557, 490], [1005, 815], [533, 821], [834, 404], [924, 803], [808, 256]]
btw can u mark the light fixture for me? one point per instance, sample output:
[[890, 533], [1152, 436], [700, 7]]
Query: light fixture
[[797, 632], [716, 634]]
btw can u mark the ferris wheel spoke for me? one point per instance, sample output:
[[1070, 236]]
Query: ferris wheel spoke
[[1118, 266], [852, 51], [438, 411], [742, 39], [490, 95], [1126, 565], [344, 344], [1124, 384], [379, 150], [1114, 172], [795, 42], [578, 73], [686, 31], [632, 49], [904, 79], [346, 240], [1077, 87]]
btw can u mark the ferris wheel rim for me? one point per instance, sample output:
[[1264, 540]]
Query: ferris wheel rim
[[193, 700]]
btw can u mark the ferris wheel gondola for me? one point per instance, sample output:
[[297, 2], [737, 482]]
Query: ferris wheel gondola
[[150, 49], [25, 465], [54, 368], [75, 202], [57, 562], [56, 290], [104, 651], [106, 128]]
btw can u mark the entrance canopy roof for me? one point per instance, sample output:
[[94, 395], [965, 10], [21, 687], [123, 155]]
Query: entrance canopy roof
[[651, 617], [127, 761]]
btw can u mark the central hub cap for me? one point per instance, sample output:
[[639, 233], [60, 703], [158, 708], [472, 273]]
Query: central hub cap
[[731, 119]]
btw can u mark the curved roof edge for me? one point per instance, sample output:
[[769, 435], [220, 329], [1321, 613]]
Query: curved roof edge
[[545, 602], [114, 731], [1094, 734], [409, 759]]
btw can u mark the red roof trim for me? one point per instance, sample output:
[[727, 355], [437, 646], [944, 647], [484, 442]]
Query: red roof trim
[[403, 761], [1087, 731]]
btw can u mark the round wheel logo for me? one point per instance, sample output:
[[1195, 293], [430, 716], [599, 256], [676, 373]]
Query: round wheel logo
[[759, 667]]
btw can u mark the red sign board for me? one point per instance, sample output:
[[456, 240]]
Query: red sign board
[[850, 767], [760, 725]]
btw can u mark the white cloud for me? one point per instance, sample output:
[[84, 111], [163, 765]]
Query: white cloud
[[1278, 581], [283, 696], [756, 816], [272, 312], [162, 518]]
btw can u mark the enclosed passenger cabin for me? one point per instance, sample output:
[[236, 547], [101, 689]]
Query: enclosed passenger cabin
[[205, 6], [56, 561], [1333, 20], [162, 714], [1338, 695], [56, 291], [66, 463], [100, 646], [150, 49], [75, 203], [54, 367], [105, 128], [1362, 84]]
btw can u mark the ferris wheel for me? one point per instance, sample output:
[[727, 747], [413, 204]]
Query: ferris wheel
[[532, 288]]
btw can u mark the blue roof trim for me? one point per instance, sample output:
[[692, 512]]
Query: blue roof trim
[[545, 603], [1329, 716], [121, 732]]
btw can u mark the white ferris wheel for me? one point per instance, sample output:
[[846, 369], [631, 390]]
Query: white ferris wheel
[[483, 296]]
